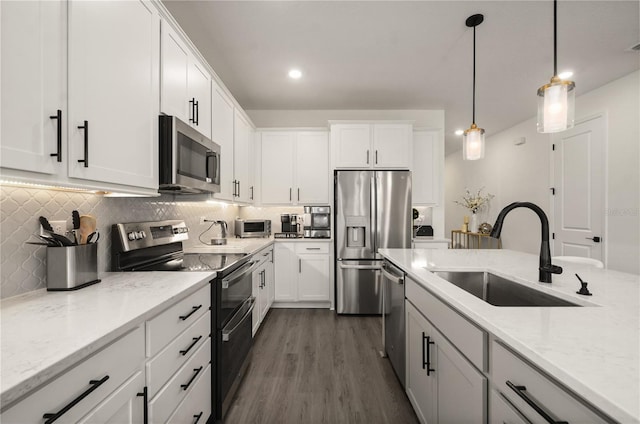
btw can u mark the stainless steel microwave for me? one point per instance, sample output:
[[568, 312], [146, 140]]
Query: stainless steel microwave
[[252, 228], [189, 161]]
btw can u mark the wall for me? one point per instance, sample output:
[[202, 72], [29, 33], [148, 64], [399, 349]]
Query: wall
[[523, 172], [23, 266]]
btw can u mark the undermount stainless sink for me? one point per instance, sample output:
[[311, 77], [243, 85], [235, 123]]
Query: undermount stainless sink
[[499, 291]]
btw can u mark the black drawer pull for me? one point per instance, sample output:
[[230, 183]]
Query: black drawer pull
[[197, 113], [58, 116], [520, 391], [426, 363], [193, 311], [197, 417], [195, 342], [51, 417], [145, 409], [86, 144], [197, 371], [192, 104]]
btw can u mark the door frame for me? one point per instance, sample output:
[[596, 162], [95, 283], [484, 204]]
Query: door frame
[[605, 183]]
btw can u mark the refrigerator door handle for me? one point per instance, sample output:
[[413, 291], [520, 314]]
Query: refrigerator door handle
[[374, 214], [367, 267]]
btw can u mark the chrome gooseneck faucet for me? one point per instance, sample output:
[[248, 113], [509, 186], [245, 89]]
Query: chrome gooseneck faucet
[[546, 268]]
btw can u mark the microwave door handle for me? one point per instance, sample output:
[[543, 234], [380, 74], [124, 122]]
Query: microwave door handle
[[206, 166]]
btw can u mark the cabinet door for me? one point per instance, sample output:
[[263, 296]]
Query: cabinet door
[[312, 168], [199, 97], [242, 157], [286, 272], [269, 288], [352, 145], [256, 291], [124, 406], [277, 168], [118, 103], [313, 277], [175, 68], [426, 168], [34, 35], [461, 388], [222, 133], [421, 387], [392, 145]]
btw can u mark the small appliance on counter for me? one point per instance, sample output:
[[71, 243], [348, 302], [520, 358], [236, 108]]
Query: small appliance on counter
[[289, 226], [252, 228], [423, 231], [317, 222]]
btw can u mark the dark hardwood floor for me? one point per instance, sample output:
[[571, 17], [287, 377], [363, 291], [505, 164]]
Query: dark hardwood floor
[[312, 366]]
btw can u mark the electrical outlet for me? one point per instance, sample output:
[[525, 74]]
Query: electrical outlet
[[202, 218], [59, 227]]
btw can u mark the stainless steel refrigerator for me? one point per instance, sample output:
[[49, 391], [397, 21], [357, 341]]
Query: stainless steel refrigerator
[[372, 211]]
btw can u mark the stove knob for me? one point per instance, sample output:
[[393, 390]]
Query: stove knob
[[132, 235], [139, 235], [143, 234]]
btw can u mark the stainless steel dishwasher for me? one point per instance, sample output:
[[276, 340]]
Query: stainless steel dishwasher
[[393, 316]]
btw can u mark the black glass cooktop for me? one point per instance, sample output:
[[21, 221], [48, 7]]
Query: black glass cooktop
[[199, 262]]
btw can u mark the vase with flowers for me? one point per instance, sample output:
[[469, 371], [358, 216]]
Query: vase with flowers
[[474, 203]]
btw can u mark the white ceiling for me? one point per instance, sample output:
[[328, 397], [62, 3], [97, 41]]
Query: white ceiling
[[410, 54]]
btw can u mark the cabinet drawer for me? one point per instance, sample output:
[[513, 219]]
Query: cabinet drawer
[[175, 391], [125, 405], [162, 366], [553, 399], [468, 338], [111, 366], [502, 412], [312, 247], [196, 407], [166, 326]]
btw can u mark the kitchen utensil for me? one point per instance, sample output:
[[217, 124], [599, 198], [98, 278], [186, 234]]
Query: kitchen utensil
[[50, 242], [87, 227], [45, 224], [59, 238], [93, 237], [38, 244], [75, 217]]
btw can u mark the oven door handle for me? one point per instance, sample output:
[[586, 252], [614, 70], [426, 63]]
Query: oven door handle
[[239, 274], [226, 334]]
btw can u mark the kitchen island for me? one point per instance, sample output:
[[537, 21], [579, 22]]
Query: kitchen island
[[592, 350]]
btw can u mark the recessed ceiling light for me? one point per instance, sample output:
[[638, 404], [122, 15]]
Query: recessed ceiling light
[[459, 132], [295, 74], [565, 75]]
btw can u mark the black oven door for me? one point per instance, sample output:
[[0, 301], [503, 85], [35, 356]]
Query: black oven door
[[235, 289]]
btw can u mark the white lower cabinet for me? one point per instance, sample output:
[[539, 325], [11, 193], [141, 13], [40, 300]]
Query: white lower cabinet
[[178, 357], [533, 395], [502, 412], [302, 273], [442, 385], [104, 386], [262, 286], [196, 407]]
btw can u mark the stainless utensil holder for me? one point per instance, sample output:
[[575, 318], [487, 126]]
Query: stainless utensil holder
[[72, 267]]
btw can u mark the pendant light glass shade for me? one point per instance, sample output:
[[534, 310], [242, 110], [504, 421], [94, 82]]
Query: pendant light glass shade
[[556, 106], [556, 100], [473, 138], [473, 143]]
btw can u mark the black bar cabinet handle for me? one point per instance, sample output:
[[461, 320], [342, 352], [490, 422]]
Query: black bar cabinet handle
[[520, 391], [424, 360], [195, 342], [192, 104], [193, 377], [197, 113], [51, 417], [193, 311], [298, 194], [197, 417], [376, 157], [367, 157], [86, 144], [58, 116], [426, 364], [289, 193], [238, 188], [251, 188], [145, 408]]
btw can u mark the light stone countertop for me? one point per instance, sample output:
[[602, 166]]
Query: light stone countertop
[[249, 245], [430, 239], [594, 350], [44, 333]]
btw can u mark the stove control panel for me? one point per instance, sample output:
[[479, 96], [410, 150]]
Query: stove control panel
[[138, 235]]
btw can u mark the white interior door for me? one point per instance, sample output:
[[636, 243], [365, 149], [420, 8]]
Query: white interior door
[[579, 190]]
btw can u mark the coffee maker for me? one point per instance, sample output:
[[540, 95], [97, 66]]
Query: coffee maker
[[289, 223]]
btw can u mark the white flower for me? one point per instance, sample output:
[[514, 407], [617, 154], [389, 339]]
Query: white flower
[[475, 202]]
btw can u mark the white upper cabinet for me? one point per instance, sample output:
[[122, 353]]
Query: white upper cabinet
[[243, 159], [295, 167], [371, 145], [222, 120], [427, 169], [113, 92], [34, 71], [185, 84]]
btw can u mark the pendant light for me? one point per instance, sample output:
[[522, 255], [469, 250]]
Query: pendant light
[[473, 138], [556, 100]]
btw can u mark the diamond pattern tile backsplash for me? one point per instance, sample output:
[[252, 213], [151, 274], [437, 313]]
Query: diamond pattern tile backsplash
[[23, 266]]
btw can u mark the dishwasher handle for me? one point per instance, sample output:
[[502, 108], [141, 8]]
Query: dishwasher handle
[[392, 277], [362, 267]]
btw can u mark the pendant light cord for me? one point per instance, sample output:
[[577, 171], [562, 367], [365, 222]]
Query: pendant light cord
[[473, 120], [555, 37]]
